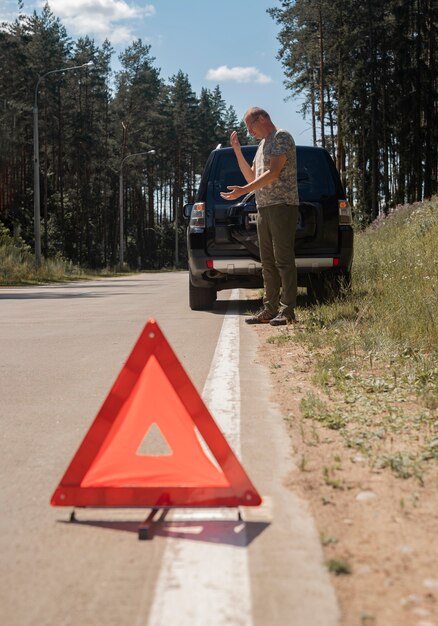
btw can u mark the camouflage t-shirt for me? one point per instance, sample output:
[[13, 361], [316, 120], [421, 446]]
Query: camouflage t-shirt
[[284, 190]]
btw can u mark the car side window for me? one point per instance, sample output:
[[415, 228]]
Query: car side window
[[315, 178]]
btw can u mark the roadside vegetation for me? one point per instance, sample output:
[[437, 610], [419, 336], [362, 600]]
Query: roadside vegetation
[[17, 264], [375, 351]]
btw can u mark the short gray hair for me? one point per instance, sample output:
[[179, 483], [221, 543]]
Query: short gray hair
[[255, 112]]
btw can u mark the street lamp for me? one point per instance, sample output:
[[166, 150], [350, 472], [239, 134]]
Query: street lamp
[[128, 156], [36, 160], [176, 237]]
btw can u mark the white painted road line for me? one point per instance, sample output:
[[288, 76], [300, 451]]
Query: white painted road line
[[204, 580]]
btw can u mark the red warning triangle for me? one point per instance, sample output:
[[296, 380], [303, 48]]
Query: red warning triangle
[[143, 448]]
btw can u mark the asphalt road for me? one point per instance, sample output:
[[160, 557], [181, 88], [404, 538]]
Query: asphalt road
[[62, 347]]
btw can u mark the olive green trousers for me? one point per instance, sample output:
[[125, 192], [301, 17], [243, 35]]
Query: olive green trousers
[[276, 226]]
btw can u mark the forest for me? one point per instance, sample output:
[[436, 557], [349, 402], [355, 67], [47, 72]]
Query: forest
[[366, 72], [94, 123]]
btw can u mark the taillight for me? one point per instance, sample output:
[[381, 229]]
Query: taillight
[[345, 216], [197, 218]]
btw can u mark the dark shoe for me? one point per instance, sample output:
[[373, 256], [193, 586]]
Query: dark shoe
[[282, 319], [263, 317]]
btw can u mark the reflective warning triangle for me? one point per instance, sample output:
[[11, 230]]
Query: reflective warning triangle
[[144, 448]]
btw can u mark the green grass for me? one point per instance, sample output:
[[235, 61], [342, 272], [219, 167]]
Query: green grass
[[313, 407], [338, 566], [375, 351], [396, 272], [19, 269], [17, 265]]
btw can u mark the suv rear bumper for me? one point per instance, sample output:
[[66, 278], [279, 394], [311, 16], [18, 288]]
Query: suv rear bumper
[[240, 272], [227, 273], [231, 266]]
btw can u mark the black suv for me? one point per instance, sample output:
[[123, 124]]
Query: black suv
[[222, 235]]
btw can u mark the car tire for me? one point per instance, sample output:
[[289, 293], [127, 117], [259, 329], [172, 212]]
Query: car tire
[[201, 298], [316, 289], [328, 286]]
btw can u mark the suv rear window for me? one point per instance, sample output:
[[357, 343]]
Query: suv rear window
[[315, 178], [227, 172]]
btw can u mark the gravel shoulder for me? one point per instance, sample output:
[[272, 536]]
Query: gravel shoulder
[[378, 530]]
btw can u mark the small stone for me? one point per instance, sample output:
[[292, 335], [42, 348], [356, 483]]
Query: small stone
[[425, 623], [420, 611], [366, 496], [348, 521], [406, 549], [358, 458], [411, 599], [430, 583]]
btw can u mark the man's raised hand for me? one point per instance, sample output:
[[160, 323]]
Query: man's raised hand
[[234, 140]]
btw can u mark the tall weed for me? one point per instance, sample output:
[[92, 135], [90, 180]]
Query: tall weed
[[17, 264], [396, 266]]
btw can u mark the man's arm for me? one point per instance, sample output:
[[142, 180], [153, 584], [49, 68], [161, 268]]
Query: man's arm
[[246, 169], [268, 177]]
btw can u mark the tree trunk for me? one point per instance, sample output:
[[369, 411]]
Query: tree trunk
[[321, 77]]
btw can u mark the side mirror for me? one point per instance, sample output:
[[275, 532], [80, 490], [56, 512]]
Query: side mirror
[[187, 211]]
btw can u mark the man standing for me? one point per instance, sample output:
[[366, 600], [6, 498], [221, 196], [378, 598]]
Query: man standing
[[273, 177]]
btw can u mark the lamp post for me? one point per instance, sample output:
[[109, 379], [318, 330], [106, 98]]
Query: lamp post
[[128, 156], [176, 238], [36, 160]]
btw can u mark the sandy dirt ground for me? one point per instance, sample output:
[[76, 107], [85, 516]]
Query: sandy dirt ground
[[379, 531]]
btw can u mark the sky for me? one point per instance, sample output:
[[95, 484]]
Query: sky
[[230, 43]]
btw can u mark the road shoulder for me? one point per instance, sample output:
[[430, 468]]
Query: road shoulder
[[289, 582], [376, 530]]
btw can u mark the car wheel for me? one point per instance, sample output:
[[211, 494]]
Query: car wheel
[[316, 289], [201, 298], [328, 286]]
